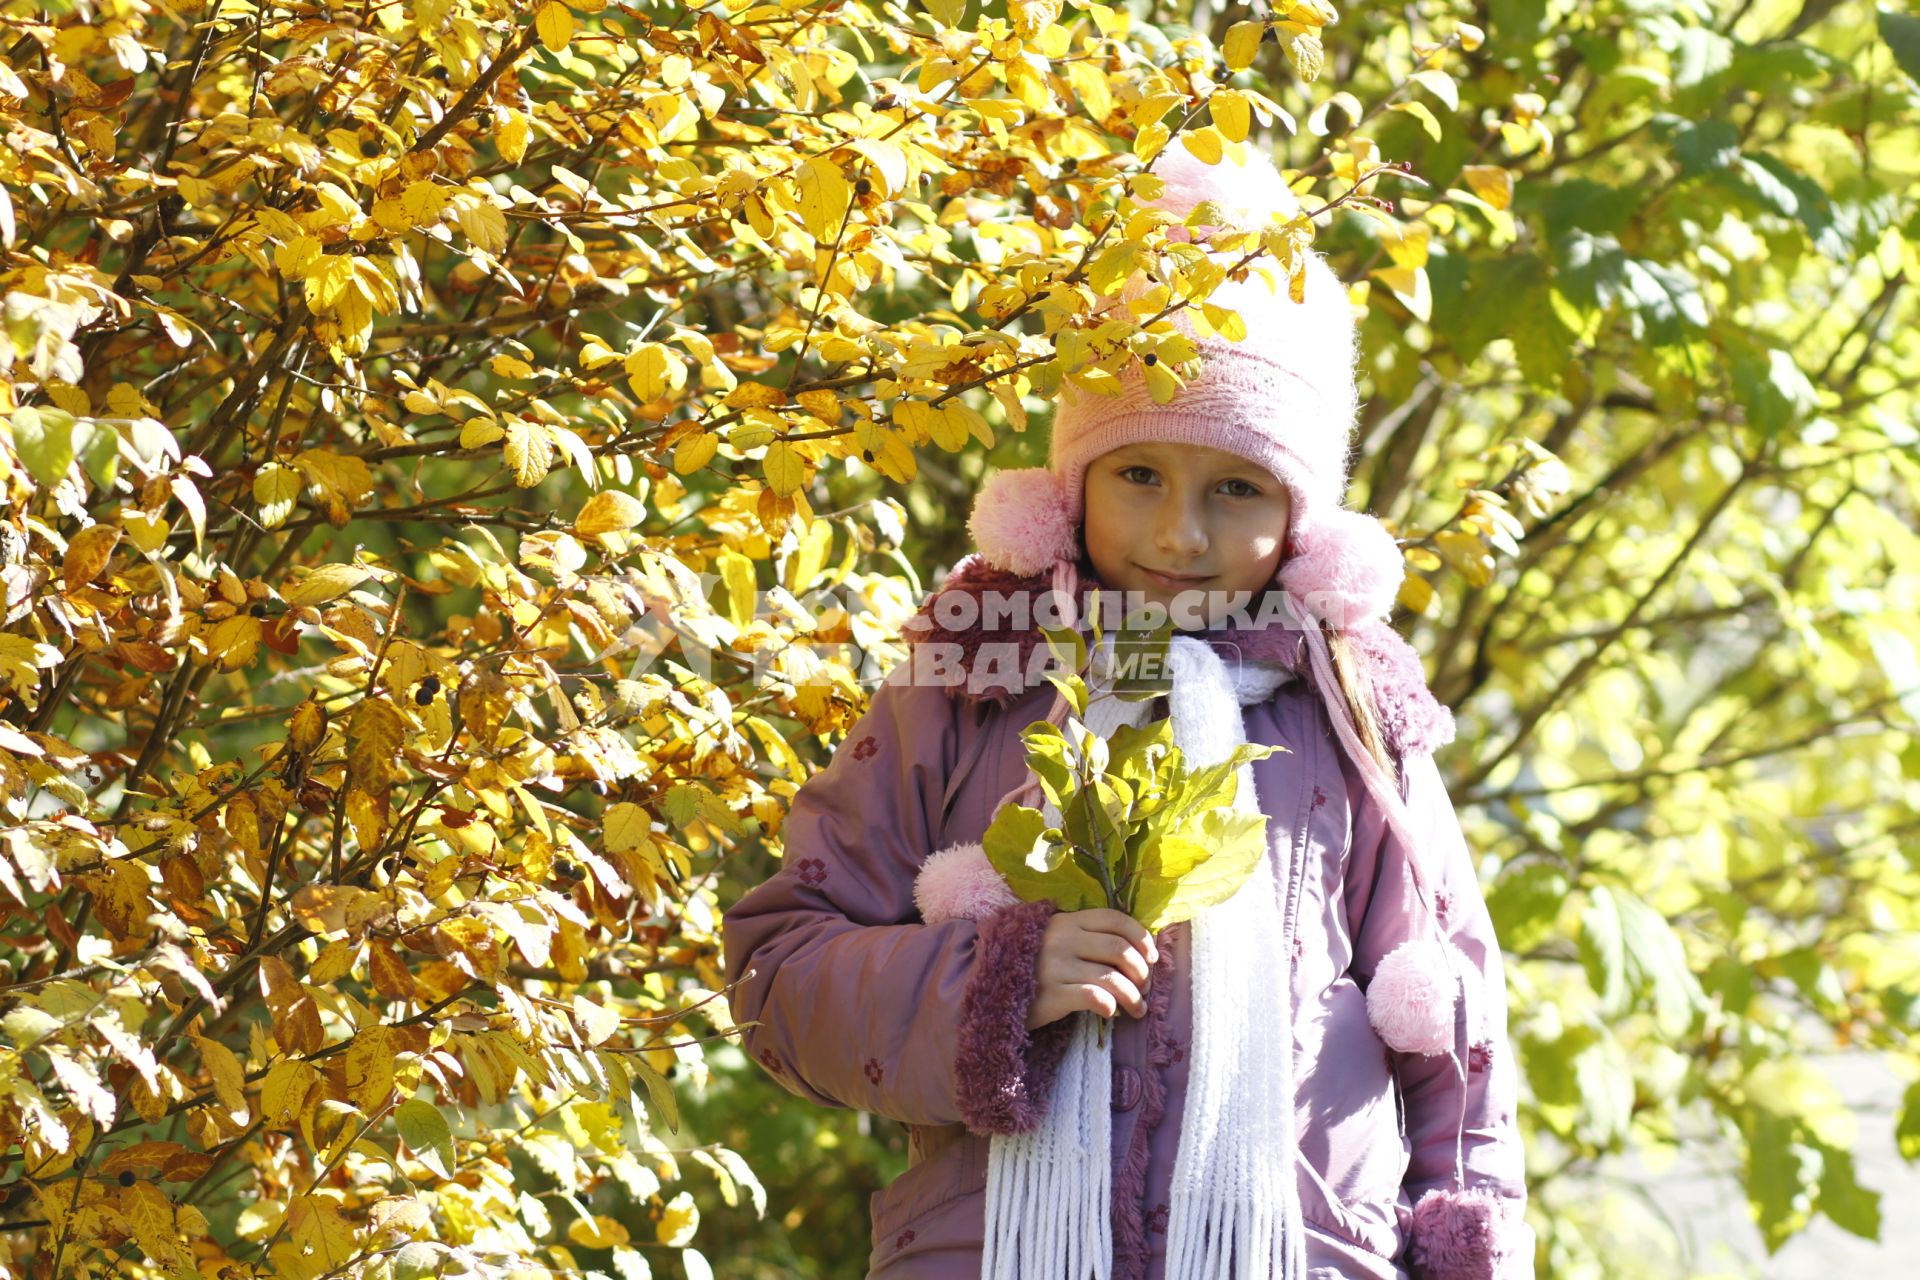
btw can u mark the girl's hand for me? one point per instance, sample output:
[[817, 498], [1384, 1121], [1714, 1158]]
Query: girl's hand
[[1099, 959]]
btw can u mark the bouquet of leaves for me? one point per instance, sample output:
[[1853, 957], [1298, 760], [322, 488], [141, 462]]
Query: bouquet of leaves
[[1140, 830]]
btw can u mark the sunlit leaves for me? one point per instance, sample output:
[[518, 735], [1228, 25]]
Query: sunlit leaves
[[825, 196], [554, 21]]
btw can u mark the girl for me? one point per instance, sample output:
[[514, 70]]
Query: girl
[[1311, 1079]]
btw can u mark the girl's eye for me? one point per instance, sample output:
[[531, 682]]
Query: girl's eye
[[1245, 490], [1136, 471]]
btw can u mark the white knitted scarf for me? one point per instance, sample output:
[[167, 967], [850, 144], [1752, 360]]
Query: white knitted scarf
[[1236, 1204]]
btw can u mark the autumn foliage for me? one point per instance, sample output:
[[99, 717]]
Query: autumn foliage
[[465, 461]]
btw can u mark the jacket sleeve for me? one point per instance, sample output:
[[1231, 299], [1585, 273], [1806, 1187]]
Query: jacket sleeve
[[1476, 1228], [858, 1003]]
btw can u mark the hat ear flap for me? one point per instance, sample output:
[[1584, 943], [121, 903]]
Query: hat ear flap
[[1021, 523], [1346, 569]]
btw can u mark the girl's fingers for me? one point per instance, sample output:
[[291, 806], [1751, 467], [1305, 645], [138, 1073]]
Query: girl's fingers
[[1114, 952], [1122, 925], [1116, 985]]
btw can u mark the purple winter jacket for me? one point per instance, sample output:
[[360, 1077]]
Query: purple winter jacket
[[861, 1004]]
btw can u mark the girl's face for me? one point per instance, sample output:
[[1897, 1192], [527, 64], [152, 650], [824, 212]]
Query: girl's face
[[1187, 526]]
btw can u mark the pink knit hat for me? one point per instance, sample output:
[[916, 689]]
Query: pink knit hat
[[1282, 397]]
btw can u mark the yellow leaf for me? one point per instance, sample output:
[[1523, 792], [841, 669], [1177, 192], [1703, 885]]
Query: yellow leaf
[[234, 641], [326, 583], [327, 281], [824, 198], [1409, 284], [374, 736], [510, 366], [307, 726], [1424, 114], [87, 554], [1408, 248], [948, 428], [276, 487], [655, 371], [1205, 144], [785, 470], [150, 1214], [754, 395], [528, 451], [297, 256], [1242, 44], [811, 556], [1491, 183], [341, 481], [597, 1024], [513, 134], [478, 433], [1031, 17], [483, 224], [1231, 114], [694, 452], [554, 22], [742, 581], [228, 1077], [679, 1220], [598, 1232], [370, 1067], [626, 826], [284, 1092], [425, 201], [1151, 138], [609, 511]]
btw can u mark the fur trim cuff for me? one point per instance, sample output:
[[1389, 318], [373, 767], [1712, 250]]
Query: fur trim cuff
[[1003, 1075], [1472, 1234]]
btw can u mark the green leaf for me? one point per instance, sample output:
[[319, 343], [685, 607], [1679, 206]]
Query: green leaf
[[1706, 146], [1036, 865], [1629, 949], [1603, 951], [1852, 1207], [1797, 196], [659, 1092], [1073, 687], [425, 1130], [1068, 647], [1183, 874], [1907, 1131], [1776, 1177], [1046, 755], [46, 441], [1777, 395], [1526, 902], [1603, 1075], [1901, 32]]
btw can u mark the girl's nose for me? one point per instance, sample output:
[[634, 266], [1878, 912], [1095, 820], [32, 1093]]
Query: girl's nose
[[1181, 531]]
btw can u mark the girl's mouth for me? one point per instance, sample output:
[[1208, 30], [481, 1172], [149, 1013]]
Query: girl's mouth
[[1174, 582]]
